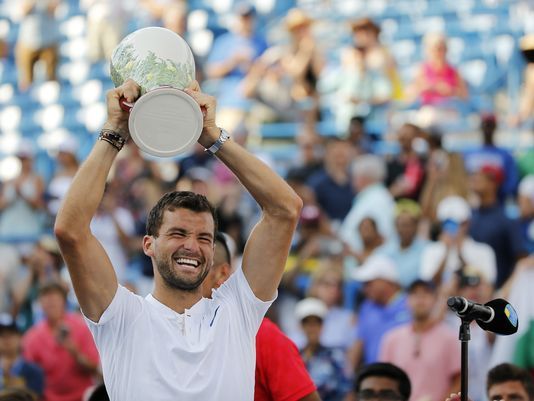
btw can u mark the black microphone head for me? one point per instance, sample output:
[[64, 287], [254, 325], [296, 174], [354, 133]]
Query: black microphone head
[[505, 321]]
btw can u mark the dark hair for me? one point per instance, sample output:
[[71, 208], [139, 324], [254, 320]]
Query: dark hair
[[220, 239], [53, 286], [506, 372], [419, 283], [177, 200], [383, 369], [18, 394]]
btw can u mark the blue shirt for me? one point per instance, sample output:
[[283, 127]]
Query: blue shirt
[[494, 156], [376, 320], [527, 229], [491, 226], [326, 368], [408, 260], [334, 199], [29, 373], [225, 47]]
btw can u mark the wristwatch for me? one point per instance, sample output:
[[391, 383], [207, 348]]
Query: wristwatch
[[223, 137]]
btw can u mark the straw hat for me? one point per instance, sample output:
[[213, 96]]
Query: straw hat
[[296, 18], [364, 24]]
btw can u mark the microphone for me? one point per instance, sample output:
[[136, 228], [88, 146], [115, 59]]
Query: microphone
[[497, 316]]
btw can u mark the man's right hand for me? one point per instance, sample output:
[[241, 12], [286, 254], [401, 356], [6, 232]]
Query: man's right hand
[[117, 117]]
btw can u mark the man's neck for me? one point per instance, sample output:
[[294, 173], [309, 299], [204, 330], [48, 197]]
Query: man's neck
[[177, 300], [423, 325], [488, 200]]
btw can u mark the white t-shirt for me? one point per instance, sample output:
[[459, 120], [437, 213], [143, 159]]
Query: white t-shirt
[[475, 254], [150, 352]]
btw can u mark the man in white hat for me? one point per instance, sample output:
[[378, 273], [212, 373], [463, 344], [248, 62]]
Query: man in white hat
[[455, 249], [385, 307]]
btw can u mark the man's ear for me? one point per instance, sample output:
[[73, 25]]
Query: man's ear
[[148, 245], [225, 272]]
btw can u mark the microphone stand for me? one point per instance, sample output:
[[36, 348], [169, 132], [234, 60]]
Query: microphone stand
[[465, 336]]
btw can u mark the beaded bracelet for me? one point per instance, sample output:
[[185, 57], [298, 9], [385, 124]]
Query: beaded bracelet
[[113, 138]]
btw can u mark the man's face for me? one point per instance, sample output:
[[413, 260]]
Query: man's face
[[312, 326], [374, 290], [508, 391], [183, 250], [9, 342], [421, 301], [53, 304], [375, 388], [406, 228]]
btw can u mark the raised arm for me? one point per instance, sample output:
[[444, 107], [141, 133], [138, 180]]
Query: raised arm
[[93, 276], [267, 248]]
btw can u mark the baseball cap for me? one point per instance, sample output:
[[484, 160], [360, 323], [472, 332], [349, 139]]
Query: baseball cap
[[377, 267], [310, 307], [495, 173], [429, 285], [454, 208], [8, 324]]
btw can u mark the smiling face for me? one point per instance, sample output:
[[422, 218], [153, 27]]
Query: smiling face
[[182, 252]]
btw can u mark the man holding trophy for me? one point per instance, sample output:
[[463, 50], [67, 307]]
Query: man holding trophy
[[174, 344]]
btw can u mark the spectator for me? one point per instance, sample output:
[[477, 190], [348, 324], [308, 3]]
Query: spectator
[[10, 262], [491, 155], [407, 249], [43, 264], [445, 176], [506, 382], [106, 23], [372, 200], [280, 371], [268, 86], [339, 323], [325, 364], [526, 211], [21, 201], [382, 381], [413, 347], [371, 239], [309, 160], [490, 224], [66, 168], [384, 308], [365, 80], [406, 170], [331, 184], [17, 372], [62, 346], [358, 136], [526, 103], [376, 56], [455, 249], [229, 61], [437, 83], [114, 226], [175, 17], [303, 62], [37, 40]]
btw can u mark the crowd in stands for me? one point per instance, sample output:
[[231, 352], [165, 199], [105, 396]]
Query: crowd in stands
[[363, 109]]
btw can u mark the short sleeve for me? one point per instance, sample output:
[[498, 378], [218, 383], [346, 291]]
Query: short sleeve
[[116, 319], [280, 368], [237, 294]]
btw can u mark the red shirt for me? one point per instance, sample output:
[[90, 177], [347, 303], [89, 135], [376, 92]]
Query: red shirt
[[64, 378], [280, 371]]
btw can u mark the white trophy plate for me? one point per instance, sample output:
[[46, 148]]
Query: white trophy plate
[[165, 122]]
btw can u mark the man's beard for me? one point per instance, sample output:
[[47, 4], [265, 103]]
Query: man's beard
[[172, 279]]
